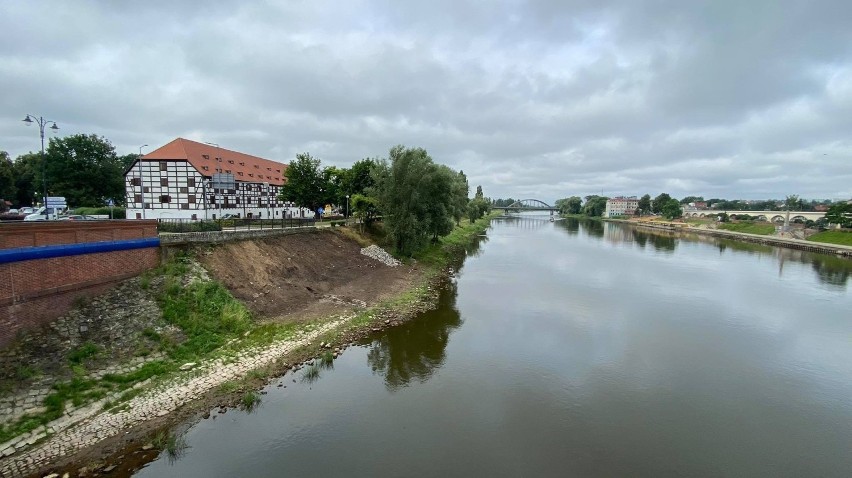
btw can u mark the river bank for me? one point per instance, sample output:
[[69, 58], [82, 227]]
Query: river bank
[[100, 434], [790, 243]]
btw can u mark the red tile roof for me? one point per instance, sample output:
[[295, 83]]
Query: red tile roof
[[244, 167]]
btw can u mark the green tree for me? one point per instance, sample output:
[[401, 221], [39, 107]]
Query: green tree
[[8, 191], [840, 213], [689, 199], [358, 179], [25, 187], [364, 208], [479, 194], [658, 203], [671, 209], [84, 169], [793, 203], [460, 190], [415, 198], [645, 204], [305, 184], [571, 205], [595, 205]]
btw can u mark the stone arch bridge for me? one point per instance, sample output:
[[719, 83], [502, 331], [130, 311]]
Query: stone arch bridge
[[772, 216]]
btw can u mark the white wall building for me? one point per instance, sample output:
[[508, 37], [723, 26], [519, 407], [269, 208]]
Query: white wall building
[[621, 206], [189, 180]]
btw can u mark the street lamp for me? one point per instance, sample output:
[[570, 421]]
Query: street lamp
[[347, 207], [30, 119], [140, 149]]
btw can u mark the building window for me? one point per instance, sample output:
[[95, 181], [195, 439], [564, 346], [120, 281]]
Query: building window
[[184, 206], [184, 190], [206, 168], [164, 181], [191, 198], [146, 189], [230, 161], [165, 198], [136, 181], [164, 166], [137, 198], [190, 182]]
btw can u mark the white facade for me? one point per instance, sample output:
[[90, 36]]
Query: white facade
[[174, 189], [621, 206]]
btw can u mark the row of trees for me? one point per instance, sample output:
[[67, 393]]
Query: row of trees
[[418, 199], [85, 169], [595, 205]]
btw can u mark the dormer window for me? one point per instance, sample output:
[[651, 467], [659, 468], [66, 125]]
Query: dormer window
[[205, 156], [206, 168], [240, 173], [256, 167], [228, 171], [242, 163], [231, 161]]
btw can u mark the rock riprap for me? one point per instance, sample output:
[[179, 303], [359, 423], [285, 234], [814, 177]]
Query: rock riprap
[[380, 255]]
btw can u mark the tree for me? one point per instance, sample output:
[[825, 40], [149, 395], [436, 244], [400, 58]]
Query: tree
[[659, 202], [671, 209], [7, 178], [689, 199], [305, 185], [24, 169], [645, 204], [364, 208], [84, 169], [571, 205], [460, 190], [415, 198], [478, 193], [358, 179], [595, 205], [793, 203], [840, 213]]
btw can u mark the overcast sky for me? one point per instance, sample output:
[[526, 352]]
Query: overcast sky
[[537, 99]]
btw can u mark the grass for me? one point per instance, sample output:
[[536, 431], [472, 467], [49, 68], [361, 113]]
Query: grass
[[760, 228], [83, 352], [311, 374], [173, 444], [446, 248], [250, 400], [326, 360], [843, 238]]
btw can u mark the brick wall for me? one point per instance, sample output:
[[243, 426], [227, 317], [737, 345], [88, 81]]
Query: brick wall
[[34, 292], [225, 236]]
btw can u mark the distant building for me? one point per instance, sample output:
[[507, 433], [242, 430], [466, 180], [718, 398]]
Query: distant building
[[189, 180], [820, 208], [621, 206]]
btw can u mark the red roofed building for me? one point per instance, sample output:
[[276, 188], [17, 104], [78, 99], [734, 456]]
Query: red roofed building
[[190, 180]]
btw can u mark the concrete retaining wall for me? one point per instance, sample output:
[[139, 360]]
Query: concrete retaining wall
[[212, 237]]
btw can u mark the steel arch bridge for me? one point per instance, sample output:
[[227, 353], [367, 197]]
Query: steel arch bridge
[[527, 205]]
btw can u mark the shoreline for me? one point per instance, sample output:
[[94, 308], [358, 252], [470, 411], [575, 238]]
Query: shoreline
[[798, 244], [98, 439]]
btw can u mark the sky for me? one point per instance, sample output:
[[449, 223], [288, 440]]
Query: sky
[[531, 99]]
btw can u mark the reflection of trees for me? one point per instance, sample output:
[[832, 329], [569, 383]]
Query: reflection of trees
[[594, 228], [831, 270], [662, 242], [570, 225], [639, 237], [415, 350]]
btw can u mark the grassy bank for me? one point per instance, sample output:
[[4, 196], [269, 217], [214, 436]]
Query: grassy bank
[[213, 323], [843, 238], [762, 229]]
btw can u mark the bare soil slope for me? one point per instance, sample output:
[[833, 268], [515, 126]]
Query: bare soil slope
[[301, 276]]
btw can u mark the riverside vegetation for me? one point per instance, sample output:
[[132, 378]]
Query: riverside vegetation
[[203, 322]]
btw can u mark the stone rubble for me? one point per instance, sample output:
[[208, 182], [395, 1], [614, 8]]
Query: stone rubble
[[380, 255], [86, 426]]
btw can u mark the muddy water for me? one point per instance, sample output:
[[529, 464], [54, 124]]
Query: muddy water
[[575, 349]]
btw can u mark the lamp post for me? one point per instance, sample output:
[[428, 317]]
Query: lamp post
[[30, 119], [140, 149], [347, 208]]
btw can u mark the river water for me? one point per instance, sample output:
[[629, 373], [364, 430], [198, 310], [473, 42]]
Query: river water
[[575, 349]]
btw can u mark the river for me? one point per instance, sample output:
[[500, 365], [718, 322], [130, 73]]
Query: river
[[574, 348]]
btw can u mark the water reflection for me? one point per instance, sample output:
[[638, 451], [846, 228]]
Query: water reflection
[[415, 350], [831, 270]]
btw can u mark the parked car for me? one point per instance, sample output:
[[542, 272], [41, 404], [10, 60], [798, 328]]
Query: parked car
[[230, 216], [26, 210], [12, 211], [41, 214]]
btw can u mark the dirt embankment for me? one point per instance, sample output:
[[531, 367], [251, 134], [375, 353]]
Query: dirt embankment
[[304, 276]]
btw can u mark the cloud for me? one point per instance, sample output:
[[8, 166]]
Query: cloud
[[530, 98]]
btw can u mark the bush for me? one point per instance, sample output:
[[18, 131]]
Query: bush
[[117, 212]]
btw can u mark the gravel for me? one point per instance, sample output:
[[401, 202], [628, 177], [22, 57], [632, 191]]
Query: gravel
[[380, 255]]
